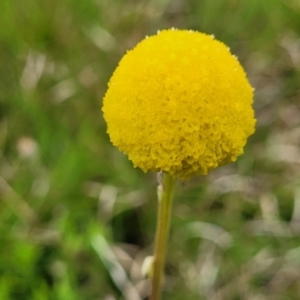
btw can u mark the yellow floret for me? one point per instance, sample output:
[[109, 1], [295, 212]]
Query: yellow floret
[[179, 102]]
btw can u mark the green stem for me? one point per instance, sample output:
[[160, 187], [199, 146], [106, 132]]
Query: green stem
[[162, 233]]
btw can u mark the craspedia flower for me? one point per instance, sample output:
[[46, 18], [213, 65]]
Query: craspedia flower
[[179, 102]]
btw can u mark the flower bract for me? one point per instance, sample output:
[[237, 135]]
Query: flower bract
[[179, 102]]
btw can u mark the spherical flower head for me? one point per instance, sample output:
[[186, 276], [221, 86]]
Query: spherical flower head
[[179, 102]]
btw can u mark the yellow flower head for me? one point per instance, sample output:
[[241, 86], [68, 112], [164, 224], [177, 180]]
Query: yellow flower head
[[179, 102]]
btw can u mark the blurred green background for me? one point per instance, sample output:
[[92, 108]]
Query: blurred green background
[[77, 220]]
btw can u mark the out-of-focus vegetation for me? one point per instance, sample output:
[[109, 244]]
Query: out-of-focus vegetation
[[77, 220]]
